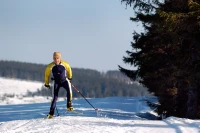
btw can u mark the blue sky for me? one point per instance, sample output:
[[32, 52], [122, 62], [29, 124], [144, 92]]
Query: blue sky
[[89, 34]]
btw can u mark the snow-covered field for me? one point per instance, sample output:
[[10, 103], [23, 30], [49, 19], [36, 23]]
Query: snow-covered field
[[17, 88], [80, 124], [86, 123]]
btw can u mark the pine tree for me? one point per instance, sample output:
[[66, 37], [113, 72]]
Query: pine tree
[[167, 54]]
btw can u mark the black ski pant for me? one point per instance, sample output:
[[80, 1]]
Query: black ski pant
[[67, 86]]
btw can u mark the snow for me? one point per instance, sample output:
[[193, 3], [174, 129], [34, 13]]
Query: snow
[[79, 124], [93, 122], [18, 88], [24, 100], [13, 86]]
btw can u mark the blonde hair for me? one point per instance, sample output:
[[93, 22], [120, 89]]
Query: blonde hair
[[56, 54]]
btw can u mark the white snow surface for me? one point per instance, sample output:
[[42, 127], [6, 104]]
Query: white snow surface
[[13, 86], [18, 88], [82, 124]]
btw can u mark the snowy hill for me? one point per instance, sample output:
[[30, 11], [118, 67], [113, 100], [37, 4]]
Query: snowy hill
[[14, 86], [80, 124], [114, 115], [12, 91]]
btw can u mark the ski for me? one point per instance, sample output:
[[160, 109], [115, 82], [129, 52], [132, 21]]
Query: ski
[[75, 112], [48, 118]]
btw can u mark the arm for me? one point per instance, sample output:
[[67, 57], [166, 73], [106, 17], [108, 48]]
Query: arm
[[68, 68], [48, 73]]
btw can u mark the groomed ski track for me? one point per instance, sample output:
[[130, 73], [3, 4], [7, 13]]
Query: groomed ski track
[[79, 124]]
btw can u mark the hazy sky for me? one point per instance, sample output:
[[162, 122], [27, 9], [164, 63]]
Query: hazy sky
[[90, 34]]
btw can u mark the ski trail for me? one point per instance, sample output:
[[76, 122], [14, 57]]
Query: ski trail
[[20, 127], [181, 126], [14, 126]]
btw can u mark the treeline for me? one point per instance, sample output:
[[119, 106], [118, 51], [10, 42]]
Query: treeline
[[167, 54], [91, 83]]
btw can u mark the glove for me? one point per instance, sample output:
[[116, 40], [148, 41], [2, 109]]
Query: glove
[[48, 86]]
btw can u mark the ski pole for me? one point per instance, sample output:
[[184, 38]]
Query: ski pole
[[83, 96], [57, 111]]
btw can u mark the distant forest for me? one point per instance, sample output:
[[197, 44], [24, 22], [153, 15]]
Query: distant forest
[[91, 83]]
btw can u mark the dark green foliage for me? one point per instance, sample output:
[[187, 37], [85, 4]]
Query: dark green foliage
[[167, 54], [19, 70], [91, 83]]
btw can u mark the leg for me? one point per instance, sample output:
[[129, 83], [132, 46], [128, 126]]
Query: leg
[[55, 97], [67, 86]]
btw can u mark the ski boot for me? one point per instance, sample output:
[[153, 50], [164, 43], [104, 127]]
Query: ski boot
[[49, 116], [69, 106]]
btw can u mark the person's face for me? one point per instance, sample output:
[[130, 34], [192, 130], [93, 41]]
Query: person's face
[[56, 60]]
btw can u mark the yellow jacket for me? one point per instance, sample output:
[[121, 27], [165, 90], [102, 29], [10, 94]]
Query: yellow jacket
[[49, 67]]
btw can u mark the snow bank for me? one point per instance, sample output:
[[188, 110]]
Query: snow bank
[[17, 87]]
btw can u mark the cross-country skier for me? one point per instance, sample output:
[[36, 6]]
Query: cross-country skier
[[62, 75]]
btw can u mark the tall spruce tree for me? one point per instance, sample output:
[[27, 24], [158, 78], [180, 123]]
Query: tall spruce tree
[[167, 54]]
